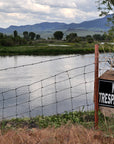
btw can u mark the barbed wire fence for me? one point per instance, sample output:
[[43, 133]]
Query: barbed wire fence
[[39, 62], [70, 90]]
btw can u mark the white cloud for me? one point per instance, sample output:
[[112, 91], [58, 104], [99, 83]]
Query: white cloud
[[22, 12], [57, 3]]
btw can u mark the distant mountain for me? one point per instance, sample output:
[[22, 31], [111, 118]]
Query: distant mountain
[[96, 25]]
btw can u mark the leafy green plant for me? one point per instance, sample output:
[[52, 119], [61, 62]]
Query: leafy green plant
[[82, 118]]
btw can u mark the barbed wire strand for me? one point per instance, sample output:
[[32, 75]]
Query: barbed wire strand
[[25, 102], [49, 77], [40, 62], [28, 100]]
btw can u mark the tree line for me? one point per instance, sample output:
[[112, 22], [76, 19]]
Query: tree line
[[73, 37], [29, 37], [16, 39]]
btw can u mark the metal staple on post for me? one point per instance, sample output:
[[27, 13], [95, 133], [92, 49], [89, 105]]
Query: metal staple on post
[[96, 84]]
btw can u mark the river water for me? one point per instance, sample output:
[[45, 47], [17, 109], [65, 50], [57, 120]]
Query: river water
[[26, 75], [16, 77]]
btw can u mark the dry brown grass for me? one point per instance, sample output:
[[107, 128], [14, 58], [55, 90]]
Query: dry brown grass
[[69, 134]]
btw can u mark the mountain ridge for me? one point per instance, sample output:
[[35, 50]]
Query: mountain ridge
[[49, 27]]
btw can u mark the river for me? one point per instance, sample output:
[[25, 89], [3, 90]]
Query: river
[[26, 75]]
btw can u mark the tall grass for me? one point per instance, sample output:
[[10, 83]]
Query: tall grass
[[67, 128], [67, 134]]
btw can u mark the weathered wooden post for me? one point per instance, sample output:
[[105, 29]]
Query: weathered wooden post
[[96, 84]]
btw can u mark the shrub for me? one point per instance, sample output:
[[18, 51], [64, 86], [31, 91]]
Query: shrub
[[7, 42]]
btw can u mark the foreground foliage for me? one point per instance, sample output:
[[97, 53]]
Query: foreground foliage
[[82, 118], [66, 134], [72, 127]]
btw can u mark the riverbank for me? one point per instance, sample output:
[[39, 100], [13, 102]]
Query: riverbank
[[85, 119], [73, 127], [50, 49]]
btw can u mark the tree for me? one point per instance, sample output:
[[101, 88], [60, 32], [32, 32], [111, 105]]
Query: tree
[[58, 35], [37, 36], [105, 6], [72, 37], [104, 36], [26, 35], [7, 42], [1, 35], [89, 39], [97, 37], [15, 33], [32, 35]]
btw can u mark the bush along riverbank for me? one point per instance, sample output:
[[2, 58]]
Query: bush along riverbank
[[55, 49]]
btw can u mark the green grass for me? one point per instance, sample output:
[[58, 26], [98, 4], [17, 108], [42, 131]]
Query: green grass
[[84, 118], [45, 49]]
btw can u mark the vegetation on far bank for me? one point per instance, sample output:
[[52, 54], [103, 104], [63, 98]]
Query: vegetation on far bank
[[33, 44], [57, 48]]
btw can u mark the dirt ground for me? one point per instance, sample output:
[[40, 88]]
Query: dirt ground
[[68, 134]]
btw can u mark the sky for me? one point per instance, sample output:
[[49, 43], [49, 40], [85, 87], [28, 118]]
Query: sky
[[27, 12]]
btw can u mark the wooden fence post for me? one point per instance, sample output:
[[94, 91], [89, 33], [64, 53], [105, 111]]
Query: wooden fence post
[[96, 84]]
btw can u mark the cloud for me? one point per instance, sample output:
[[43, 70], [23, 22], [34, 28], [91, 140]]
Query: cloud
[[23, 12], [56, 3], [86, 5]]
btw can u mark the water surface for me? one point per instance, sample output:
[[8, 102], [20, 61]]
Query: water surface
[[61, 92]]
